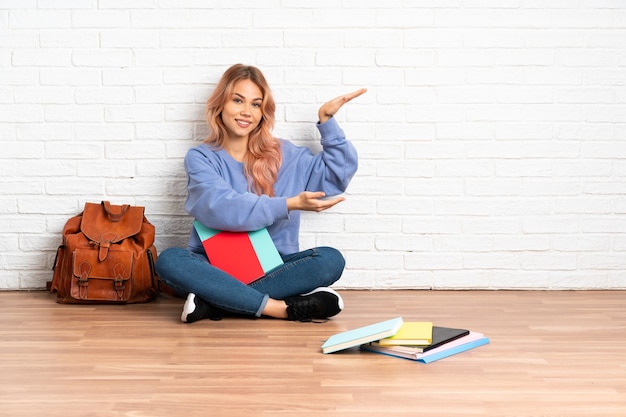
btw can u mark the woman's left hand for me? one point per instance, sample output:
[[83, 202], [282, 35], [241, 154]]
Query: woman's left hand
[[331, 107], [312, 201]]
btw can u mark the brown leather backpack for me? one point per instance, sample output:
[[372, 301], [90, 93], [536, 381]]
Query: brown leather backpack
[[107, 256]]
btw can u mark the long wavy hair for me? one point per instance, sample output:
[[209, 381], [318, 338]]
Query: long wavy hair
[[263, 158]]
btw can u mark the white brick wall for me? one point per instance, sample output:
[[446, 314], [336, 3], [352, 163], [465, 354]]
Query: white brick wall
[[492, 138]]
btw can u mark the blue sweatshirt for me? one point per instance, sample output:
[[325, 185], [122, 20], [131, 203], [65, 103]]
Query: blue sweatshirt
[[218, 194]]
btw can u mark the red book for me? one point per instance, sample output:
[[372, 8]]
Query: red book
[[246, 256]]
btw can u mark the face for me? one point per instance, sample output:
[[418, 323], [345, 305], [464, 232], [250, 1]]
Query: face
[[242, 111]]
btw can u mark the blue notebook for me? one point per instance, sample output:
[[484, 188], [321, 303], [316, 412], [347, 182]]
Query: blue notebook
[[361, 335], [444, 353]]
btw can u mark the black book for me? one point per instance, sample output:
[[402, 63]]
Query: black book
[[441, 336]]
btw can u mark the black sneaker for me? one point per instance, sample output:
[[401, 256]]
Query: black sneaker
[[196, 308], [320, 303]]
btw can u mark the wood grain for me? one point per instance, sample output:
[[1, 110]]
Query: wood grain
[[552, 353]]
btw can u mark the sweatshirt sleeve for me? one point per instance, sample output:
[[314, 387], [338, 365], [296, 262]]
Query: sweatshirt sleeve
[[218, 198], [332, 169]]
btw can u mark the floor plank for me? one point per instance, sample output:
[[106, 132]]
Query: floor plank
[[552, 353]]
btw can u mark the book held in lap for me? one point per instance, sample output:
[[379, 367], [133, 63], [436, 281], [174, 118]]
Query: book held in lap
[[246, 256]]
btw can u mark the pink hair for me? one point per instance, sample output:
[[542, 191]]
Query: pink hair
[[263, 159]]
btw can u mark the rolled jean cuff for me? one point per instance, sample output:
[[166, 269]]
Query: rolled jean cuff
[[259, 312]]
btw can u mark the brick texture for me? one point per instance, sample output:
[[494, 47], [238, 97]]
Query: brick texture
[[491, 139]]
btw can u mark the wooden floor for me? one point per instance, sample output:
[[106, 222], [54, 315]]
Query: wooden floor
[[551, 354]]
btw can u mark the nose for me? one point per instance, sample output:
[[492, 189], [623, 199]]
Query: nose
[[246, 110]]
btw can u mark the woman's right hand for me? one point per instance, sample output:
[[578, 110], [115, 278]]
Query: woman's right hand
[[312, 201]]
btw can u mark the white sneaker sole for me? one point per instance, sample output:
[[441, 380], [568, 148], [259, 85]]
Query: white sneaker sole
[[189, 307]]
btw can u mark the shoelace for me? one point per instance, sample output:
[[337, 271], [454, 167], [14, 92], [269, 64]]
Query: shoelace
[[304, 311]]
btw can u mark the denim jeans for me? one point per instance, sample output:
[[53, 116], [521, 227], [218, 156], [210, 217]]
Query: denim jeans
[[185, 271]]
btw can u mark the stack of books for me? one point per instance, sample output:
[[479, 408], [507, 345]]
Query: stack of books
[[419, 341]]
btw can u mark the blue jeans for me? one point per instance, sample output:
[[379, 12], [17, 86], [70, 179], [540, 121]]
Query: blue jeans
[[185, 271]]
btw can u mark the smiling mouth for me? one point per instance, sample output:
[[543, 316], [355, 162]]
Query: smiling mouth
[[243, 123]]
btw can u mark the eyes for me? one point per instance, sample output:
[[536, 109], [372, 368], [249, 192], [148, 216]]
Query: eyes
[[255, 104]]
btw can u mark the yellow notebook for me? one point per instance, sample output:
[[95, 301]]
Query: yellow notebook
[[416, 333]]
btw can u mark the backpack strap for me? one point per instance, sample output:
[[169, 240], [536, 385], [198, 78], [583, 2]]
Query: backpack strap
[[114, 213], [104, 244]]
